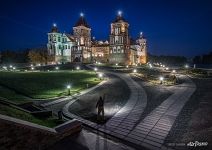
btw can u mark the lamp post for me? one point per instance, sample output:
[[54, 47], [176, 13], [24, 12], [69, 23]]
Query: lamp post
[[100, 76], [57, 68], [78, 68], [134, 70], [69, 89], [161, 80]]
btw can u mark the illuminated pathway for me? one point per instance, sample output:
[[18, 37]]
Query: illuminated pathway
[[152, 130]]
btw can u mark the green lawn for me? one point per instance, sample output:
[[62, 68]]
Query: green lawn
[[47, 84], [9, 111], [12, 96]]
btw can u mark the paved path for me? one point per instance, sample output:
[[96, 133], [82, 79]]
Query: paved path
[[127, 117], [152, 130]]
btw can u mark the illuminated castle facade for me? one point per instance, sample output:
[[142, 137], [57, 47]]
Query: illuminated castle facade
[[79, 47]]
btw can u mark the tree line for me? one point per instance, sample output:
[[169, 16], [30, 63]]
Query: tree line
[[171, 60], [35, 56], [203, 59]]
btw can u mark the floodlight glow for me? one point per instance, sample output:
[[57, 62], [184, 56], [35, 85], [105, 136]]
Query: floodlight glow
[[119, 13], [68, 86], [161, 78], [186, 66], [100, 75], [81, 14], [134, 70]]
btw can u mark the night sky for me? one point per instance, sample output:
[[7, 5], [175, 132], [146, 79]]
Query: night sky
[[172, 27]]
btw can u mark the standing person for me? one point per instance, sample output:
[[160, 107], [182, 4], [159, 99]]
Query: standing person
[[100, 107]]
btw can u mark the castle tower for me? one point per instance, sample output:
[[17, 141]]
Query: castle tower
[[119, 41], [142, 42], [82, 35], [54, 44]]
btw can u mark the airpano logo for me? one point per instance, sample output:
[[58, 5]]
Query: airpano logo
[[197, 143]]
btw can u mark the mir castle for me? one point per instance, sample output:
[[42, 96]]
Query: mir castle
[[80, 47]]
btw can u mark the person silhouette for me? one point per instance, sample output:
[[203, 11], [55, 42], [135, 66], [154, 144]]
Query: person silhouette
[[100, 107]]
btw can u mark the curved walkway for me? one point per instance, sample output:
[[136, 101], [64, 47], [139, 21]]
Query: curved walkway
[[127, 117], [152, 130]]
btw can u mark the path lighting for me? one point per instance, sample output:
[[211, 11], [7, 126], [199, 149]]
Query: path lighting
[[186, 66], [4, 67], [167, 68], [134, 70], [164, 66], [57, 68], [69, 89], [78, 68], [14, 68], [100, 75], [32, 68], [173, 71], [11, 66], [95, 69], [127, 66], [161, 80], [116, 64]]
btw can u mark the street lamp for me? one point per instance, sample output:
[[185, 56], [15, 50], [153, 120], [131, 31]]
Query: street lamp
[[69, 89], [32, 68], [78, 68], [186, 66], [57, 68], [173, 71], [134, 70], [100, 76], [127, 66], [161, 80], [116, 64], [95, 69]]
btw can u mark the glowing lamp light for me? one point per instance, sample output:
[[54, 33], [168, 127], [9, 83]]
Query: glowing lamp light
[[14, 68], [54, 24], [100, 75], [57, 68], [68, 86], [116, 64], [11, 66], [32, 68], [167, 68], [95, 69], [174, 71], [31, 65], [134, 70], [78, 68], [127, 66], [136, 65], [186, 66], [161, 78]]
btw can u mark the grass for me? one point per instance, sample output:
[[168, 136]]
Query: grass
[[9, 111], [12, 96], [43, 85]]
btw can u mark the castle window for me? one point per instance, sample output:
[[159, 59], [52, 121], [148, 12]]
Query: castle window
[[58, 39]]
